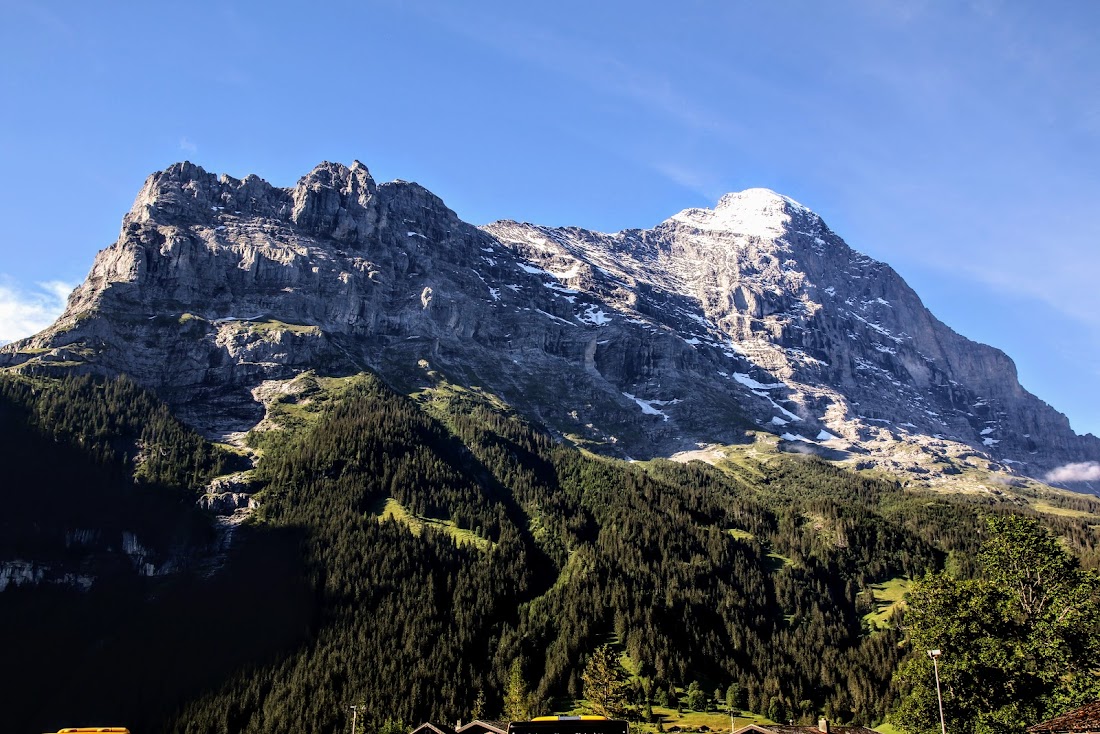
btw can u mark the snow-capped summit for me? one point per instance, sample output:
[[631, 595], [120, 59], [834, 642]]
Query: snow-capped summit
[[755, 212], [763, 200]]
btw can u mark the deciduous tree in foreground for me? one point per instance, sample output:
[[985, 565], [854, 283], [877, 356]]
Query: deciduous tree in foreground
[[1020, 643]]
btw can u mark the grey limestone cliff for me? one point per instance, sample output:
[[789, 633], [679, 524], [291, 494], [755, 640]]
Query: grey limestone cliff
[[750, 316]]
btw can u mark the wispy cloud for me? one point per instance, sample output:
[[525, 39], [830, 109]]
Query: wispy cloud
[[187, 146], [25, 312], [1064, 278], [1086, 471], [704, 183]]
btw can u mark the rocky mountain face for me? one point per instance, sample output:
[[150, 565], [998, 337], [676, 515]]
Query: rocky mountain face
[[753, 316]]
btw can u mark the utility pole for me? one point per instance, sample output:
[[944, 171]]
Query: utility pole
[[935, 655]]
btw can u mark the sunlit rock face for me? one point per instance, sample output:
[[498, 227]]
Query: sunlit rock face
[[753, 315]]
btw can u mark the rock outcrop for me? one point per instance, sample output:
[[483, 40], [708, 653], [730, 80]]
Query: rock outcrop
[[753, 315]]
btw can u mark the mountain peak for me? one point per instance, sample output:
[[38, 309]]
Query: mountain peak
[[756, 212], [335, 175], [173, 190], [184, 170], [334, 198], [757, 198]]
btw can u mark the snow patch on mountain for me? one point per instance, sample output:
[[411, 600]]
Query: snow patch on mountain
[[753, 384], [595, 316], [753, 212], [647, 405]]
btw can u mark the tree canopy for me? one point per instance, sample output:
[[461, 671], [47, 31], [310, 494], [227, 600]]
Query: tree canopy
[[605, 685], [1020, 642], [513, 557]]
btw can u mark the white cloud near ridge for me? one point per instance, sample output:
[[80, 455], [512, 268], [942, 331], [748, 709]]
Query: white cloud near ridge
[[1085, 471], [700, 181], [25, 312]]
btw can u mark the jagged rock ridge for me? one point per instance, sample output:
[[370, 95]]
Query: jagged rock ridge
[[640, 343]]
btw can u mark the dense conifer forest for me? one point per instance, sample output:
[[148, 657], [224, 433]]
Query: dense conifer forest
[[527, 554]]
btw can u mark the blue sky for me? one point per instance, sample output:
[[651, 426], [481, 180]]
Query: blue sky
[[958, 142]]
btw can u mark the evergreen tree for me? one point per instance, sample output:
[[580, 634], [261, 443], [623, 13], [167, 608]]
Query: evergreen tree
[[776, 711], [392, 726], [605, 684], [517, 699], [413, 617], [674, 699], [478, 711]]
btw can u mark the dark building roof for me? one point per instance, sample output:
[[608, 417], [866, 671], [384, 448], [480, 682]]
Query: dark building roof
[[429, 728], [809, 729], [483, 725], [1084, 719]]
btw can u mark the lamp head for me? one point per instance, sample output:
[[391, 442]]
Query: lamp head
[[934, 653]]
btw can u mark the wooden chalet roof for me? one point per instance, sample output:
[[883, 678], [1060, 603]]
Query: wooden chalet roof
[[501, 727], [1084, 719], [429, 728], [808, 729]]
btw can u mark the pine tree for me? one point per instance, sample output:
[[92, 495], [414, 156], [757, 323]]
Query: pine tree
[[605, 685], [517, 700], [479, 705]]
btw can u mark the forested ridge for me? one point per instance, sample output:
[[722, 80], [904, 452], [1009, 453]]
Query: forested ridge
[[99, 455], [754, 574]]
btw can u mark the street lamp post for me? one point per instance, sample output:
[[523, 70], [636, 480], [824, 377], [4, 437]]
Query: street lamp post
[[935, 666], [354, 714]]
